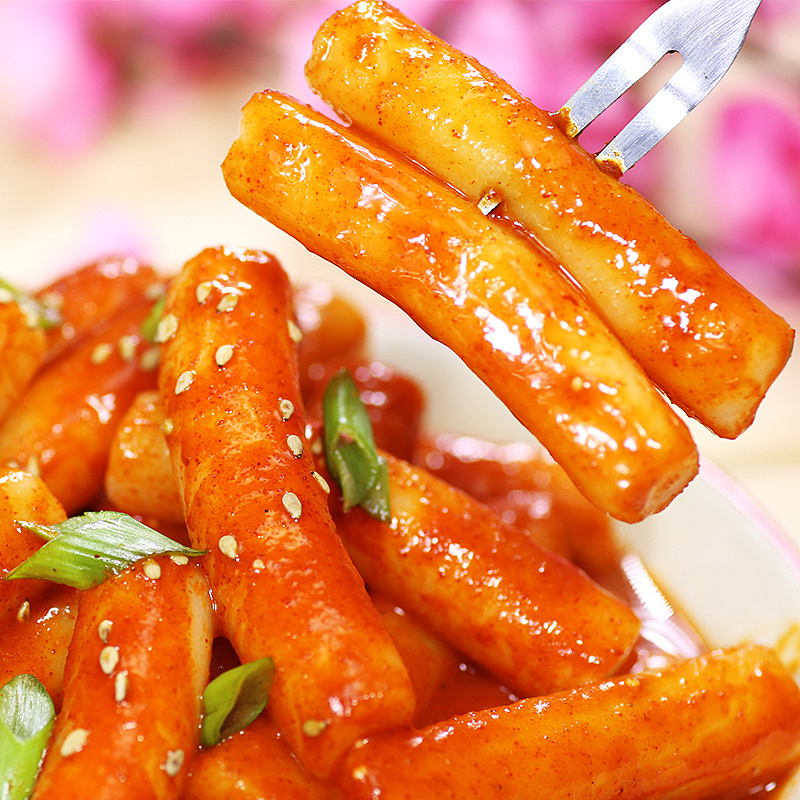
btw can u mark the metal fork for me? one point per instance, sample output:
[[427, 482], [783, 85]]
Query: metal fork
[[707, 33]]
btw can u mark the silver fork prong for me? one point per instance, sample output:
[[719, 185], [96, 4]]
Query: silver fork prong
[[667, 108], [707, 33], [618, 73], [633, 59]]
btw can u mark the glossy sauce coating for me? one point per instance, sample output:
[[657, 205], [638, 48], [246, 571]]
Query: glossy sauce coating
[[500, 304], [139, 477], [135, 673], [446, 683], [23, 345], [711, 346], [22, 497], [63, 428], [85, 299], [529, 491], [255, 764], [334, 331], [281, 578], [529, 617], [36, 642], [720, 724]]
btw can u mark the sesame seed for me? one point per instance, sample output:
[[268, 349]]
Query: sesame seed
[[258, 563], [167, 426], [229, 546], [316, 446], [127, 347], [291, 502], [120, 686], [224, 354], [103, 629], [203, 290], [576, 384], [322, 482], [295, 444], [74, 742], [178, 559], [167, 328], [101, 352], [295, 334], [150, 358], [184, 381], [228, 302], [286, 408], [24, 611], [173, 763], [109, 658], [314, 727], [152, 569]]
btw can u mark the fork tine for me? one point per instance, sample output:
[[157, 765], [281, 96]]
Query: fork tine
[[707, 33], [626, 65], [668, 107]]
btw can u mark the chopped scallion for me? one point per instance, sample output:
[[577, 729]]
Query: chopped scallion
[[150, 323], [26, 717], [234, 699], [36, 313], [83, 551], [352, 458]]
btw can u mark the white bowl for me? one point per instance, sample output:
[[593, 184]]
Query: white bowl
[[725, 564]]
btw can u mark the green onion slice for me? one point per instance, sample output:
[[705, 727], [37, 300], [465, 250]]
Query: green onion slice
[[37, 313], [350, 450], [83, 551], [376, 501], [26, 717], [150, 324], [234, 699]]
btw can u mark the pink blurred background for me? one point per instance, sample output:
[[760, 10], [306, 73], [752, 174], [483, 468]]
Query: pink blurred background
[[73, 72]]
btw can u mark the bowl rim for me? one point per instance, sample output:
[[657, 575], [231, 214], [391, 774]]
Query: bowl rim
[[719, 480]]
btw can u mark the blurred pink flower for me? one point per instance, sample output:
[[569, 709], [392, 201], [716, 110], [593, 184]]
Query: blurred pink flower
[[56, 86], [200, 40], [754, 186], [68, 68]]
